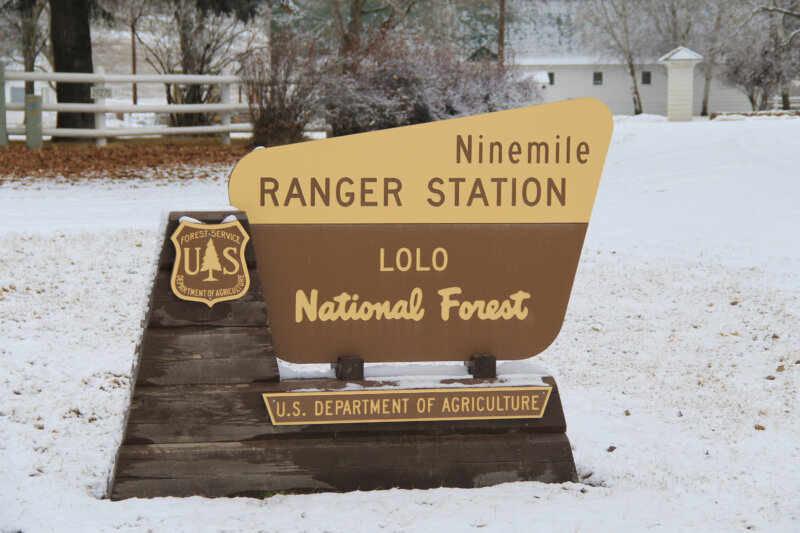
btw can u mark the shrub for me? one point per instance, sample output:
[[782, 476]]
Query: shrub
[[282, 90], [399, 82]]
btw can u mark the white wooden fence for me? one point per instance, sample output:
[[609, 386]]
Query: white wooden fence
[[227, 107], [776, 102]]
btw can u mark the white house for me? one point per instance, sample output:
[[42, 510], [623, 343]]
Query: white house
[[573, 76]]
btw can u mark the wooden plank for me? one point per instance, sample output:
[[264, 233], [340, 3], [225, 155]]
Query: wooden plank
[[341, 464], [198, 424], [235, 313], [167, 257], [223, 413], [167, 310], [215, 371], [203, 343]]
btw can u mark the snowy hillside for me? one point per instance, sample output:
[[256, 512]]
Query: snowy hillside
[[678, 363]]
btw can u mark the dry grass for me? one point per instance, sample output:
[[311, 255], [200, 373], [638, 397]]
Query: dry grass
[[121, 159]]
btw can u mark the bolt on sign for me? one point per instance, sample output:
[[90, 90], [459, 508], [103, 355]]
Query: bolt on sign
[[425, 243], [210, 264]]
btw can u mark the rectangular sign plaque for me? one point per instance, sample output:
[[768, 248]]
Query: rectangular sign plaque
[[406, 405]]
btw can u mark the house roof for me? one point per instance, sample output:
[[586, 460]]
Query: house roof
[[574, 59], [566, 59], [681, 54]]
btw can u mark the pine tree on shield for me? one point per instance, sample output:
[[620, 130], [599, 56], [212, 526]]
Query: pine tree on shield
[[210, 261]]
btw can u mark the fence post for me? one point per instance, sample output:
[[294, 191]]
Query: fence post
[[225, 116], [100, 98], [33, 120], [3, 130]]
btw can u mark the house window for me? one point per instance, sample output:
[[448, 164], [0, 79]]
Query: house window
[[647, 77], [551, 77], [598, 78]]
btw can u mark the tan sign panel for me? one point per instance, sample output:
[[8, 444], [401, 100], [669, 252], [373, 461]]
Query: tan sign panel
[[430, 242], [406, 405], [210, 265], [536, 164]]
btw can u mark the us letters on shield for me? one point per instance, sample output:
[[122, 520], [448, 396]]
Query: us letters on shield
[[210, 264]]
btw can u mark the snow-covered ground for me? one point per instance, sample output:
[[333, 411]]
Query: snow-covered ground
[[678, 363]]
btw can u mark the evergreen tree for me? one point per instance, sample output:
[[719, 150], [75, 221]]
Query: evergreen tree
[[210, 261]]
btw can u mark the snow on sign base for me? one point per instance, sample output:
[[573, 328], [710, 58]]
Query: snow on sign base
[[425, 243]]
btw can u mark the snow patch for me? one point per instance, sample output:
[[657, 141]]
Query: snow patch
[[680, 338]]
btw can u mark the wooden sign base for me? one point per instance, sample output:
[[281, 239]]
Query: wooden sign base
[[198, 424]]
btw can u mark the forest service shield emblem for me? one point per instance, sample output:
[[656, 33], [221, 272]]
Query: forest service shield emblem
[[210, 265]]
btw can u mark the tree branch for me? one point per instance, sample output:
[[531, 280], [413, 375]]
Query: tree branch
[[780, 10]]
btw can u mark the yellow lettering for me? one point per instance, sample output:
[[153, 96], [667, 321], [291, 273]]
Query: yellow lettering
[[439, 259], [348, 307], [187, 260], [513, 307], [302, 304], [403, 252], [227, 253], [447, 302], [383, 263]]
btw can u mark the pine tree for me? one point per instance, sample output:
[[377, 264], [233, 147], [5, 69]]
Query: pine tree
[[210, 261]]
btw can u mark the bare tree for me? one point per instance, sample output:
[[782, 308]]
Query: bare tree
[[178, 36], [501, 33], [673, 21], [752, 61], [784, 16], [620, 28], [129, 15], [715, 24], [282, 88], [349, 20], [789, 9], [24, 19]]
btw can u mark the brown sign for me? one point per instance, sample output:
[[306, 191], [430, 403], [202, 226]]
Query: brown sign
[[210, 264], [426, 243], [405, 405]]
